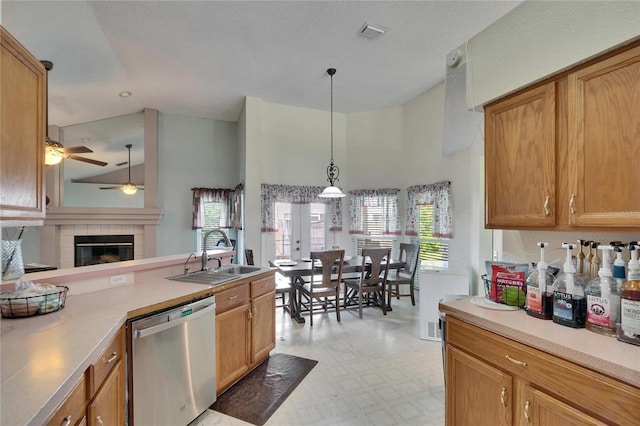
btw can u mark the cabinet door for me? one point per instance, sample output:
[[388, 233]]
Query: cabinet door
[[520, 160], [232, 345], [476, 393], [604, 142], [108, 407], [22, 134], [263, 331], [540, 409]]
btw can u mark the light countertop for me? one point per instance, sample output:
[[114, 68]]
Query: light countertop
[[600, 353], [43, 357]]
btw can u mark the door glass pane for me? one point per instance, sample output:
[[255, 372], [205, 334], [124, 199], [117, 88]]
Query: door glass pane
[[317, 227], [283, 233]]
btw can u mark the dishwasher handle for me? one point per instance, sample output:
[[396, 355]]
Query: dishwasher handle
[[144, 332]]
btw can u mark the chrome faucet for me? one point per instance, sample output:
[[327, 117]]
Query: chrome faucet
[[205, 255]]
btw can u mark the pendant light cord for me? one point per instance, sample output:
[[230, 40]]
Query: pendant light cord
[[332, 117]]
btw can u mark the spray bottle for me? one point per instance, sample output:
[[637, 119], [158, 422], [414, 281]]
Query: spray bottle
[[569, 303], [603, 299], [539, 294], [629, 328]]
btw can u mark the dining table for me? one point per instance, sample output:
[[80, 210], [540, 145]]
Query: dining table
[[297, 269]]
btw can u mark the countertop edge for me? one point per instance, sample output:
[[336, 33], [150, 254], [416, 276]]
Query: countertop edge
[[192, 292], [460, 309]]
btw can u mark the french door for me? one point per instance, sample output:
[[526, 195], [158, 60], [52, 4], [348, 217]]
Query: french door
[[301, 229]]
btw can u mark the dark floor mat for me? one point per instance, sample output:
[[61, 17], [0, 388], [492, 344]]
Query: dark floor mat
[[259, 394]]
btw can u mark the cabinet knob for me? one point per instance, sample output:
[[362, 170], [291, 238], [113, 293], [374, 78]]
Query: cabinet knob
[[66, 421], [99, 420], [546, 206], [503, 396]]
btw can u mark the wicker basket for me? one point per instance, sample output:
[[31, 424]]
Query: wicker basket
[[494, 291], [21, 307]]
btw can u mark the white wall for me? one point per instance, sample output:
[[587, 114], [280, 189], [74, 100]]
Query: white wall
[[539, 38], [192, 152]]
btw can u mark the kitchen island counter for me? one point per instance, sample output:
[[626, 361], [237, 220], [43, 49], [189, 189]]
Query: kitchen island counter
[[44, 356], [600, 353]]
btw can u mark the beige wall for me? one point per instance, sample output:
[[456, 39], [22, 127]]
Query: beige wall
[[539, 38]]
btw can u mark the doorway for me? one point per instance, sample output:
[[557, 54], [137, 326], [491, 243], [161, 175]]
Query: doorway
[[301, 229]]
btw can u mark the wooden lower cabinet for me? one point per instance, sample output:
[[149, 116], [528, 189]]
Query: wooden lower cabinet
[[476, 392], [263, 330], [537, 408], [99, 397], [492, 380], [232, 346], [73, 411], [245, 329], [108, 405]]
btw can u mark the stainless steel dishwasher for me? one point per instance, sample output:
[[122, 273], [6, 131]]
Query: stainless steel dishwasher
[[174, 364]]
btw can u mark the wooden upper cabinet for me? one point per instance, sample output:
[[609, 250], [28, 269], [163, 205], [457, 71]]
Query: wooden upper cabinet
[[604, 142], [22, 134], [520, 160]]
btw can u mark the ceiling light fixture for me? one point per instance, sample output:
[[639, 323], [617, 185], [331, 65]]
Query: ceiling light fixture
[[333, 171], [129, 188], [125, 94]]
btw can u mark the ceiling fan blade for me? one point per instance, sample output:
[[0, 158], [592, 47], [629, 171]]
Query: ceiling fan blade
[[76, 150], [86, 160], [111, 187]]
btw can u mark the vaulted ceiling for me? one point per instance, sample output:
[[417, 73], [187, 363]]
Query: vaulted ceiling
[[202, 58]]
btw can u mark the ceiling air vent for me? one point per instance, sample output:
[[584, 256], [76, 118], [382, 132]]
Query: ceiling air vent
[[372, 30]]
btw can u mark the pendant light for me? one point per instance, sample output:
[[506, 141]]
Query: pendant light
[[333, 171], [129, 188]]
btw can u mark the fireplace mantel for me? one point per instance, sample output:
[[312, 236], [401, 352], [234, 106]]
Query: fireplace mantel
[[102, 216]]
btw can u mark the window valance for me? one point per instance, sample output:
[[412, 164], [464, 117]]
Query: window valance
[[386, 200], [438, 194], [271, 194], [230, 199]]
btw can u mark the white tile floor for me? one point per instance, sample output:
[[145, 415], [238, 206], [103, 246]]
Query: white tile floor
[[374, 371]]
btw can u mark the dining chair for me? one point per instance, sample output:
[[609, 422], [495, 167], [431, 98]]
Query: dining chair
[[282, 284], [410, 255], [326, 287], [371, 282]]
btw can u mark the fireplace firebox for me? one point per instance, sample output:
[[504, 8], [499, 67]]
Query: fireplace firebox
[[95, 249]]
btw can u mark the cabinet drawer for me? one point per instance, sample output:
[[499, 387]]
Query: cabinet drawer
[[262, 286], [99, 370], [596, 394], [73, 410], [229, 299]]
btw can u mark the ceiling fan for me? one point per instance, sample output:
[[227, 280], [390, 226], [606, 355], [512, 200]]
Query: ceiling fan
[[128, 187], [54, 151]]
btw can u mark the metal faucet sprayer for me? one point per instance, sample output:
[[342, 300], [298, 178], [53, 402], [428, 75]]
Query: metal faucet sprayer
[[205, 255]]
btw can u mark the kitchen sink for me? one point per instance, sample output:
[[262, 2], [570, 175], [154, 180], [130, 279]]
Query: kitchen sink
[[216, 276], [238, 269]]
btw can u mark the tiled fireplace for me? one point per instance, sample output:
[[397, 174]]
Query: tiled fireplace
[[58, 245]]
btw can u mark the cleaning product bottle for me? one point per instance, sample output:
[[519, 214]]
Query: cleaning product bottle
[[629, 328], [539, 294], [603, 299], [619, 270], [569, 303]]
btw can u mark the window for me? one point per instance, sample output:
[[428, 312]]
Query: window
[[433, 251], [212, 212], [374, 218]]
